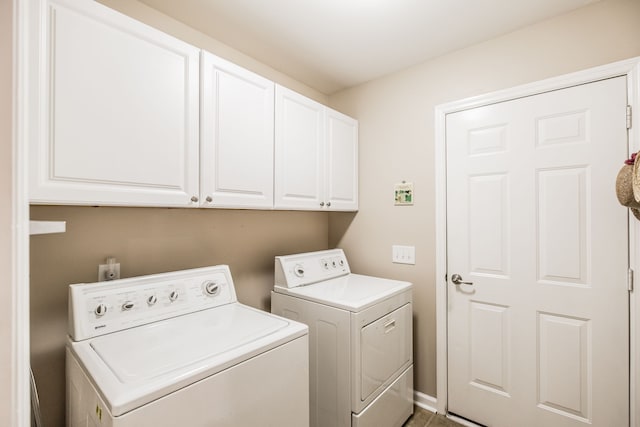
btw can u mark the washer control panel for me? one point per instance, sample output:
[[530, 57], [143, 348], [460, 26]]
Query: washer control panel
[[311, 267], [105, 307]]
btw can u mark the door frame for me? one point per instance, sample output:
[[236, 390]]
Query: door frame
[[629, 68], [18, 332]]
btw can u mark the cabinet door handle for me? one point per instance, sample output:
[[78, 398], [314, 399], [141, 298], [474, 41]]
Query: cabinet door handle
[[194, 199], [328, 204], [321, 203], [209, 199]]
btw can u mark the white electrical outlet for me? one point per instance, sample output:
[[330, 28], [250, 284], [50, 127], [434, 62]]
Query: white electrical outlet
[[403, 254], [109, 271]]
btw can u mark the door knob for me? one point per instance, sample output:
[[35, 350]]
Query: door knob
[[457, 280]]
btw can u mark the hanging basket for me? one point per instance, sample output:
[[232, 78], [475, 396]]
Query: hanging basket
[[628, 186]]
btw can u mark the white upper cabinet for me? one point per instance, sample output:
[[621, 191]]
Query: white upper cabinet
[[299, 151], [236, 146], [122, 114], [316, 155], [117, 118], [342, 162]]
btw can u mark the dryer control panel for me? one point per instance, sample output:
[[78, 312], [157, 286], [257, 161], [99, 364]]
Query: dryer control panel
[[311, 267], [104, 307]]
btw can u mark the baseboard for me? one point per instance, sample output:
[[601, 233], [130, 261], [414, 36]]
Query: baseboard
[[430, 403], [425, 401]]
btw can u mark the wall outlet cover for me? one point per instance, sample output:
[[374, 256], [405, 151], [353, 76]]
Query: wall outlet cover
[[403, 254]]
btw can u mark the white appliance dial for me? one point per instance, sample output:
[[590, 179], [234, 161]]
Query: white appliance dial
[[173, 296], [211, 288], [298, 270], [100, 310], [152, 300], [128, 305]]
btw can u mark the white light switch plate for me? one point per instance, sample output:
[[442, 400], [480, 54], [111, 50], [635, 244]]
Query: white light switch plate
[[403, 254]]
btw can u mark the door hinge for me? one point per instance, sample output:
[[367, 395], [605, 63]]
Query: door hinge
[[630, 280], [628, 116]]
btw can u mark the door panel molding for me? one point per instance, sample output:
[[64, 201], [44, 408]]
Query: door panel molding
[[552, 133]]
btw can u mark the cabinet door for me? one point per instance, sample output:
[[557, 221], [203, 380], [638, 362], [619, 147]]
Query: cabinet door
[[299, 162], [118, 116], [237, 119], [342, 162]]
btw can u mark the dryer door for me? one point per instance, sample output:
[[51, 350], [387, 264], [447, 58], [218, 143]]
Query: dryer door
[[386, 346]]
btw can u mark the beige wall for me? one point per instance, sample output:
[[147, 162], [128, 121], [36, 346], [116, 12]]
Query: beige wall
[[396, 116], [6, 167]]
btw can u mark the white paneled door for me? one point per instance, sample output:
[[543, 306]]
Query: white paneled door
[[539, 336]]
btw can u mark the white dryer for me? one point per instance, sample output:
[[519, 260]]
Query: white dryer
[[178, 349], [360, 337]]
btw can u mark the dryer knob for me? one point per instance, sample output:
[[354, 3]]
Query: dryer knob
[[100, 310], [152, 300], [127, 306], [173, 296], [298, 270]]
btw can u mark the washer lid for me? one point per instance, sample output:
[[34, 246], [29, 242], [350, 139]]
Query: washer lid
[[353, 292], [133, 367], [141, 354]]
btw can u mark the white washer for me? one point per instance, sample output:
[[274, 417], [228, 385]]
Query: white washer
[[360, 337], [178, 349]]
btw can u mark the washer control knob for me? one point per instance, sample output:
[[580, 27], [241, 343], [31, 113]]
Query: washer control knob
[[173, 296], [100, 310], [128, 305], [211, 288], [298, 270], [341, 262], [152, 300]]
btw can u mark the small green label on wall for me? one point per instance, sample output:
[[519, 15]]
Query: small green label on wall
[[404, 194]]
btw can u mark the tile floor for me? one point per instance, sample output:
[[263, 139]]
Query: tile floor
[[424, 418]]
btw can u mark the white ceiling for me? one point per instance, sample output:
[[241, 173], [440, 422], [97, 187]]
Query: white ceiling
[[333, 44]]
